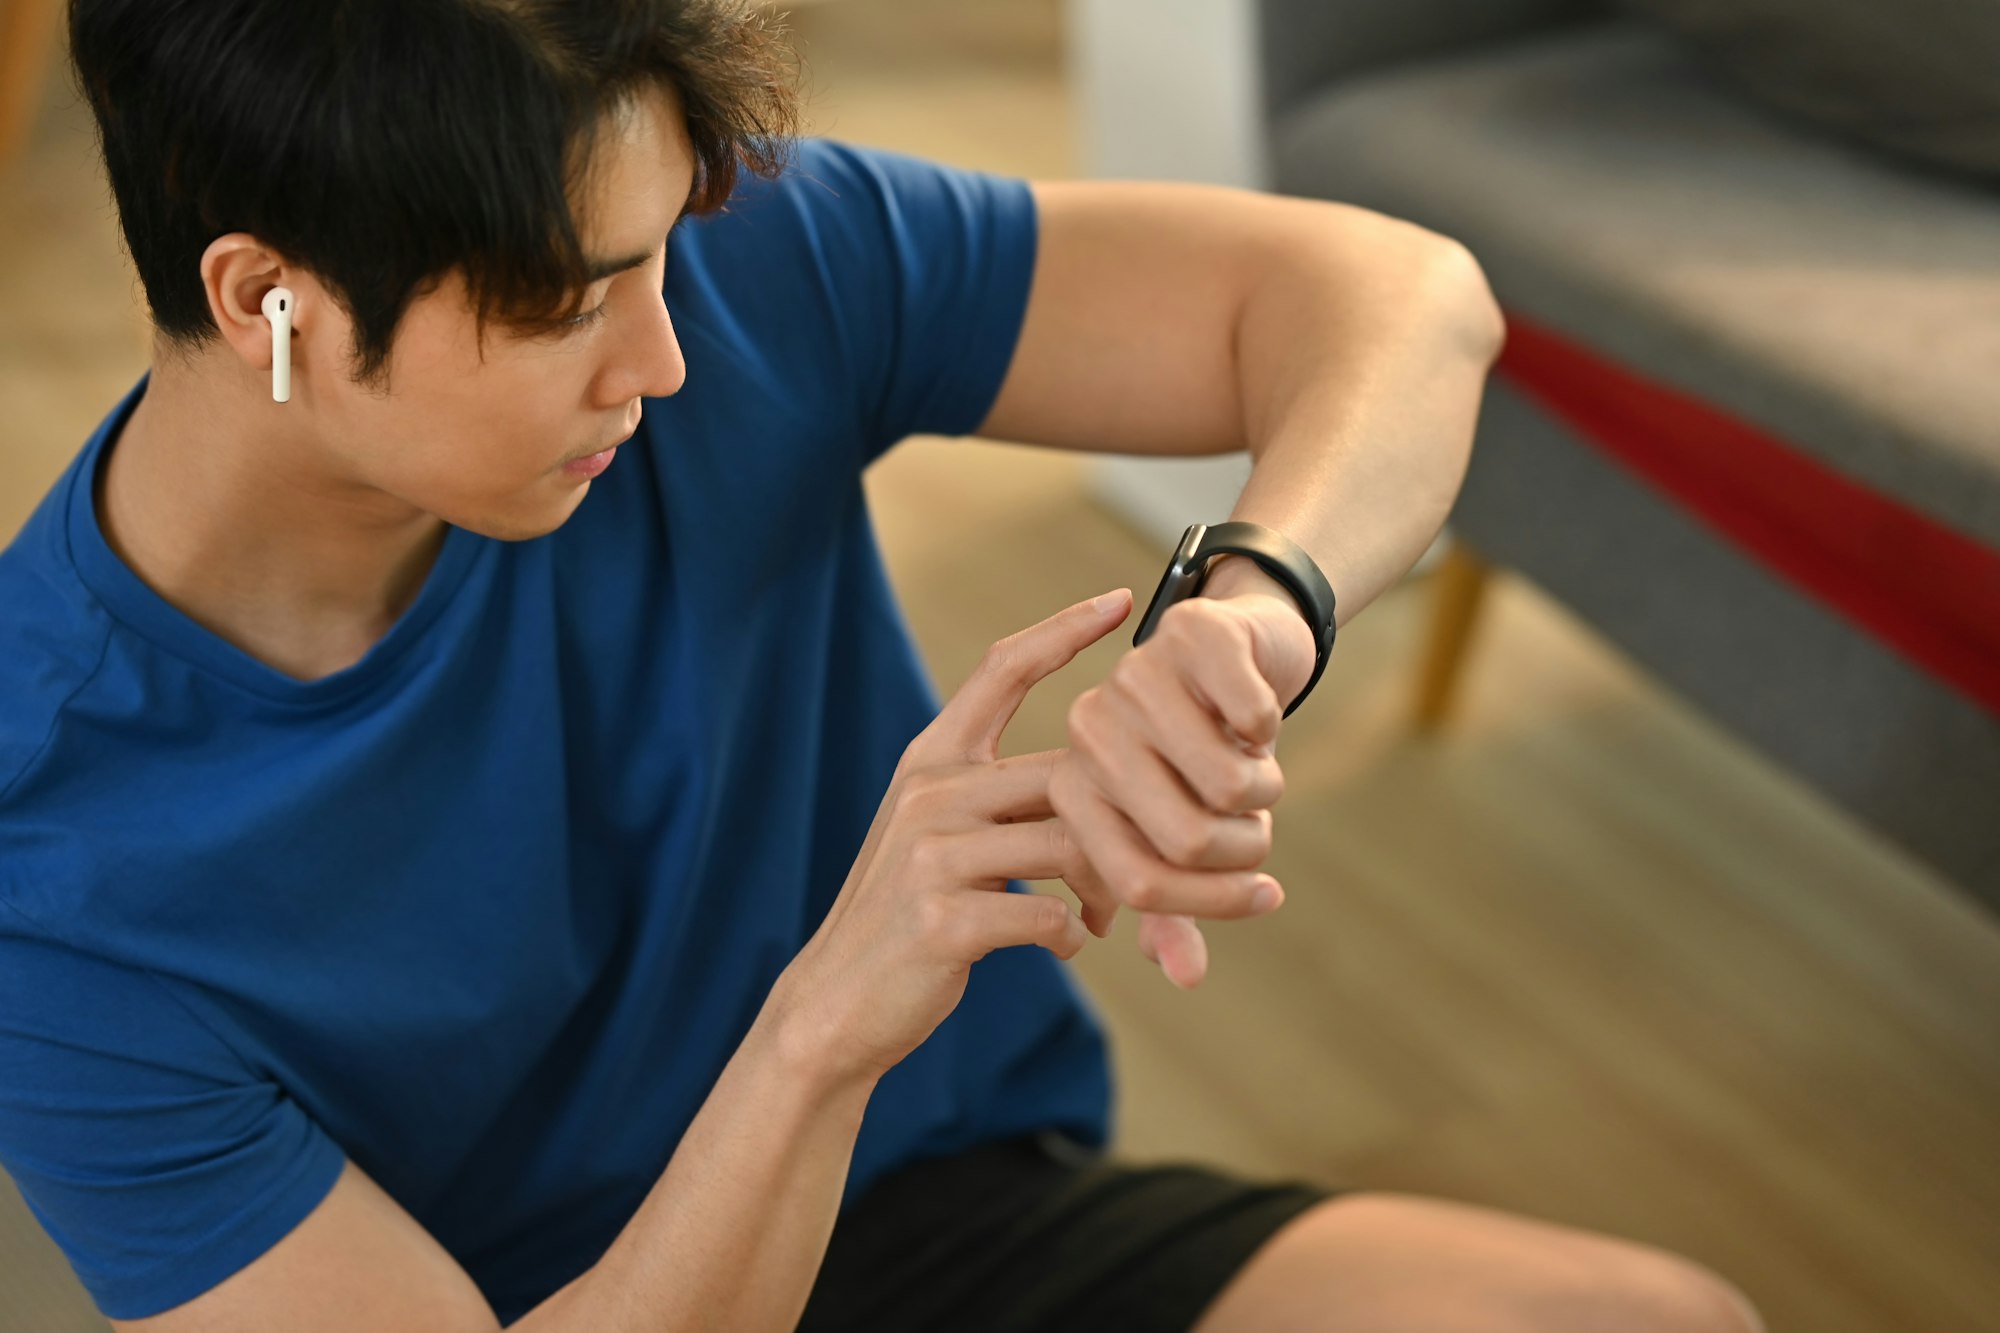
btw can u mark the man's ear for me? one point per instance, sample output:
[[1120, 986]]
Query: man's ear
[[236, 271]]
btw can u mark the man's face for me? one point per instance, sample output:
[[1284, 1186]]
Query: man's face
[[481, 444]]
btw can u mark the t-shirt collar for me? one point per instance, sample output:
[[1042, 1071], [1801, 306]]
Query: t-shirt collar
[[133, 602]]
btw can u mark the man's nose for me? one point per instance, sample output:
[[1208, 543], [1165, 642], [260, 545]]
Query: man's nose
[[650, 362]]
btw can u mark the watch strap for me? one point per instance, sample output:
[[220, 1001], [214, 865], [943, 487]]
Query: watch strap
[[1278, 555], [1286, 562]]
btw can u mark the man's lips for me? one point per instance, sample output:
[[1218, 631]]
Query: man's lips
[[591, 453], [592, 464]]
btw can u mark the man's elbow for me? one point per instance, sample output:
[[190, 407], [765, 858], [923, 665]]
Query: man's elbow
[[1471, 313]]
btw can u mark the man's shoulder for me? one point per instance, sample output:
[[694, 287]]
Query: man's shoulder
[[812, 166], [833, 190], [53, 638], [886, 186], [771, 227]]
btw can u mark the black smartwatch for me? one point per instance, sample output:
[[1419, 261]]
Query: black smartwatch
[[1275, 553]]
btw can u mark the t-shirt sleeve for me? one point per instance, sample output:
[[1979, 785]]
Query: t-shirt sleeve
[[150, 1155], [931, 266]]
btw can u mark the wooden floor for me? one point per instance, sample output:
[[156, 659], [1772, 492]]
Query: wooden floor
[[1579, 956]]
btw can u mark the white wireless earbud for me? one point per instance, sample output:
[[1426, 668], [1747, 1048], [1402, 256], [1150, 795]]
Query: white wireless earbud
[[278, 309]]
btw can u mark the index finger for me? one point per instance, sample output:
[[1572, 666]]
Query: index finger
[[1011, 789], [970, 724]]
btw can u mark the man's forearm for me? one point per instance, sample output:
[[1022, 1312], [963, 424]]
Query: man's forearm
[[1360, 376], [732, 1235]]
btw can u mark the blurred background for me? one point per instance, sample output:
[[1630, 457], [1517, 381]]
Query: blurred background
[[1643, 849]]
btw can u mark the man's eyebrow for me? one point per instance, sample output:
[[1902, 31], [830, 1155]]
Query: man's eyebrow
[[604, 268], [597, 269]]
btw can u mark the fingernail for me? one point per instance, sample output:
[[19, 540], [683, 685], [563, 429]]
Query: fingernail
[[1108, 600], [1266, 898]]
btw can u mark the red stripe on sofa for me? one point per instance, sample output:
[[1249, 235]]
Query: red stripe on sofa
[[1923, 589]]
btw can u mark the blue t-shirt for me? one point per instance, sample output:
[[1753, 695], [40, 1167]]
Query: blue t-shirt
[[488, 911]]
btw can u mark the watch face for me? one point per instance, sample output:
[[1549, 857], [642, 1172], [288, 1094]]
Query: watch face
[[1182, 578]]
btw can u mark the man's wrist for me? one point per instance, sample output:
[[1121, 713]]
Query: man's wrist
[[795, 1036], [1236, 577], [1239, 575]]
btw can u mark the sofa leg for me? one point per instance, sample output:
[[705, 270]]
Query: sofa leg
[[1460, 581]]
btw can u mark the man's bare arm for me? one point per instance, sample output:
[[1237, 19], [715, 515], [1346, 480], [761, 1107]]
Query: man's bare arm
[[733, 1233], [753, 1187], [1345, 350]]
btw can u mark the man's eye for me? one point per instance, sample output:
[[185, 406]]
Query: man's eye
[[586, 318]]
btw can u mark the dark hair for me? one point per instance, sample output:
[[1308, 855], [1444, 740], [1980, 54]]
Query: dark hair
[[381, 143]]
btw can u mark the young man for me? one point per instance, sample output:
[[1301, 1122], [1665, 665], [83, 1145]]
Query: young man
[[429, 890]]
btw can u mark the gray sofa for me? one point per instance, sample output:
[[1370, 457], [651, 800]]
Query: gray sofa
[[1748, 425]]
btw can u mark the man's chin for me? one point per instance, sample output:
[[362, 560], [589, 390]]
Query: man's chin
[[527, 525]]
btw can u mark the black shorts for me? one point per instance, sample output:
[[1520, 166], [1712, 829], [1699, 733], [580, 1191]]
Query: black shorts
[[1038, 1235]]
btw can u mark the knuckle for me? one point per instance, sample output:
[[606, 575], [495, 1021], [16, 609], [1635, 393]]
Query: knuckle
[[898, 800], [1051, 918], [1060, 778], [933, 918], [1248, 722], [1083, 720], [1006, 658], [999, 661], [1129, 673], [1145, 891], [958, 936], [1193, 840], [1177, 624], [1232, 789], [930, 857], [1181, 616], [924, 791], [1062, 849], [997, 655], [918, 753], [1199, 618]]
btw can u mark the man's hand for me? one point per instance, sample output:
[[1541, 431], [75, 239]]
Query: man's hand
[[1171, 766], [926, 897]]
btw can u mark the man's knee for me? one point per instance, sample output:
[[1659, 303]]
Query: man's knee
[[1405, 1263], [1637, 1289], [1392, 1263]]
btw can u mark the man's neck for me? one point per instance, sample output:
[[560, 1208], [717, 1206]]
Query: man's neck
[[236, 521]]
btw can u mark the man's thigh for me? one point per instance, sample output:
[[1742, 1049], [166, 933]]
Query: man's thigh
[[1391, 1263]]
